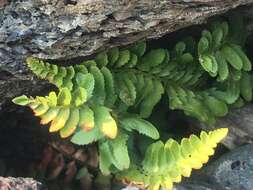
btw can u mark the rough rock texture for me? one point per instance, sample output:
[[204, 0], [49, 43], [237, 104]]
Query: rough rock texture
[[19, 183], [193, 186], [240, 125], [232, 171], [65, 29]]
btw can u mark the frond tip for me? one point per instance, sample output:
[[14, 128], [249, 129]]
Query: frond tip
[[166, 163]]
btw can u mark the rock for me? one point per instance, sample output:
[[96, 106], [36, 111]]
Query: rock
[[233, 171], [62, 30], [19, 183], [240, 125], [193, 186]]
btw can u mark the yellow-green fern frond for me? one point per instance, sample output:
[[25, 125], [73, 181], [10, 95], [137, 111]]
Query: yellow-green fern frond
[[165, 164], [68, 114]]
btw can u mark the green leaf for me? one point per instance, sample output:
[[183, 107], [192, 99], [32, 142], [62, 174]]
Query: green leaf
[[104, 158], [140, 85], [246, 86], [109, 87], [86, 81], [89, 63], [64, 97], [70, 72], [99, 89], [124, 57], [186, 58], [79, 96], [62, 71], [81, 69], [214, 70], [225, 28], [71, 124], [217, 107], [133, 60], [105, 122], [53, 70], [101, 59], [146, 90], [139, 48], [58, 79], [232, 57], [152, 163], [180, 48], [113, 55], [67, 80], [217, 37], [222, 66], [246, 62], [140, 125], [153, 58], [207, 34], [128, 90], [203, 45], [209, 63], [86, 121], [233, 91], [206, 62], [151, 99], [21, 100], [238, 103], [235, 74], [120, 152], [86, 137], [52, 99]]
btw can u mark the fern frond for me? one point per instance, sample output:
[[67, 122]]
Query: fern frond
[[165, 164], [107, 98], [142, 126], [218, 54], [129, 79], [114, 153], [204, 105], [66, 115]]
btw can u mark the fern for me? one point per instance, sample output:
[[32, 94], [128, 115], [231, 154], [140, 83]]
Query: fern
[[108, 98], [165, 164]]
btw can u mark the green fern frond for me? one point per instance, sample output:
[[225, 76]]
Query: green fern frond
[[128, 79], [109, 97], [142, 126], [165, 164], [114, 153], [218, 53]]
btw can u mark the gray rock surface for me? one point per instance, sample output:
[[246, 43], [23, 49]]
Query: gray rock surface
[[193, 186], [233, 171], [62, 30]]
